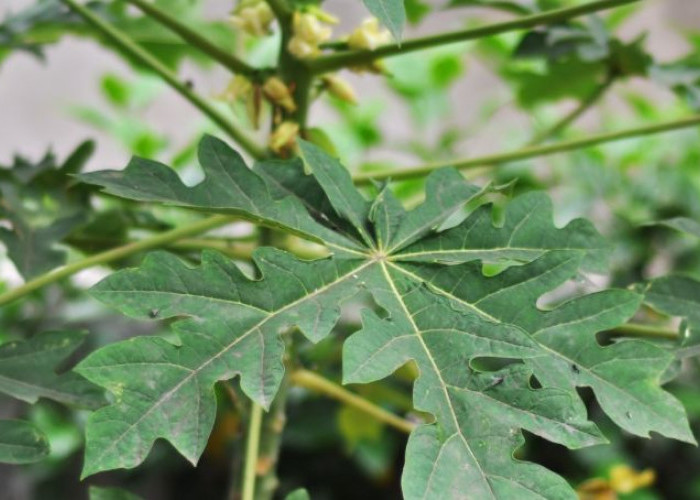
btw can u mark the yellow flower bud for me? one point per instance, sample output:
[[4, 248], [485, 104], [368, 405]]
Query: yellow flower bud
[[310, 29], [284, 137], [239, 88], [596, 489], [369, 35], [302, 49], [254, 17], [278, 92], [339, 88], [625, 479]]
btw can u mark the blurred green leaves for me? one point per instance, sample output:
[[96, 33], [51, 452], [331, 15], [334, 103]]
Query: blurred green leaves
[[42, 204]]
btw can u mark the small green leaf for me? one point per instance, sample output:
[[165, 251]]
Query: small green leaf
[[21, 442], [28, 370], [99, 493], [300, 494], [682, 224], [391, 13], [678, 295], [337, 183]]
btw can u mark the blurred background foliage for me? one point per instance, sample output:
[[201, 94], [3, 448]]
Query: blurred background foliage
[[413, 114]]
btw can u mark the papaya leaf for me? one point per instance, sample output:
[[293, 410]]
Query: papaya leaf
[[434, 307], [21, 442]]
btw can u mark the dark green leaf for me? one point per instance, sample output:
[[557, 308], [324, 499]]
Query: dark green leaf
[[42, 206], [29, 370], [435, 307], [229, 187], [679, 296], [682, 224], [98, 493], [21, 442], [300, 494]]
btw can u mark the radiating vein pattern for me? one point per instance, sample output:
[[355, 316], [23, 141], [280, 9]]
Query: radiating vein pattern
[[433, 306]]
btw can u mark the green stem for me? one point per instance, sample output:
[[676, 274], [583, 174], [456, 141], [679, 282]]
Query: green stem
[[195, 39], [135, 51], [293, 71], [644, 332], [251, 455], [363, 57], [115, 254], [530, 151], [314, 382], [273, 424], [575, 114], [233, 250]]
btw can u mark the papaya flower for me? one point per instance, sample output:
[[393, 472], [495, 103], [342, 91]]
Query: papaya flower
[[253, 16], [339, 88], [284, 137], [278, 93]]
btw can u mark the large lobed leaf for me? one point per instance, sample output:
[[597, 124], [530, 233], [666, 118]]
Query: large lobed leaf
[[435, 308]]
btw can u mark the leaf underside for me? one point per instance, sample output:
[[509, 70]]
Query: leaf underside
[[435, 307]]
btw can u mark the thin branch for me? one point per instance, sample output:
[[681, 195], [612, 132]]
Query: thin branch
[[530, 151], [121, 252], [251, 454], [575, 114], [314, 382], [134, 50], [350, 58], [195, 39]]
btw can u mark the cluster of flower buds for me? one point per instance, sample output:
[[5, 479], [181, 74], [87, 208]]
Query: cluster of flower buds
[[253, 16], [311, 28], [274, 90]]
